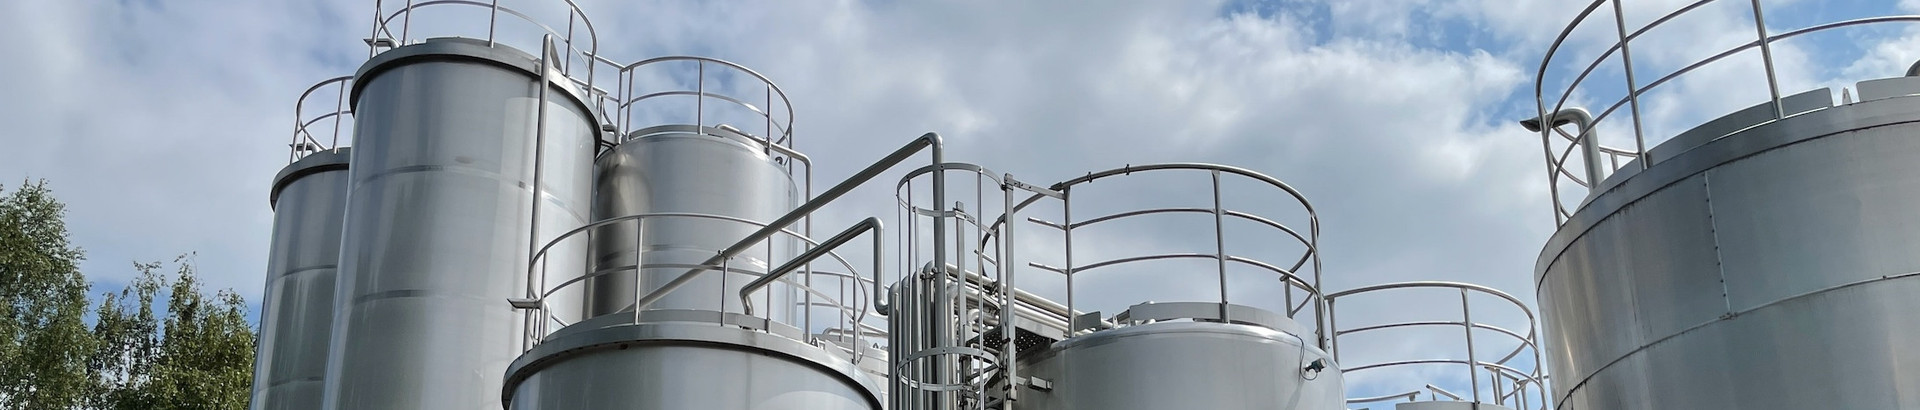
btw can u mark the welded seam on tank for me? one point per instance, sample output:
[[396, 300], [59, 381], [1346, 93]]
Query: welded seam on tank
[[305, 270], [515, 184], [1636, 351], [1713, 229]]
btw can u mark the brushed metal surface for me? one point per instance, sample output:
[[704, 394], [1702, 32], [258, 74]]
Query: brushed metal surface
[[611, 364], [692, 173], [1774, 268], [439, 219], [1181, 365], [296, 312]]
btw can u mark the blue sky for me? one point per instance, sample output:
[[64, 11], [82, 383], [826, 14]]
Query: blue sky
[[161, 122]]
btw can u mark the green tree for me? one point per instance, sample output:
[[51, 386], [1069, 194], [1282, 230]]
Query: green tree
[[44, 341], [199, 355]]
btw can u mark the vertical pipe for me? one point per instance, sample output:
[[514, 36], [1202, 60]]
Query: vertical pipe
[[539, 154], [1633, 100], [1766, 59], [1007, 268], [1473, 363]]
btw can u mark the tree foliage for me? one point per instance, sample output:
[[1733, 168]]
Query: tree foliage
[[199, 355], [44, 342], [158, 343]]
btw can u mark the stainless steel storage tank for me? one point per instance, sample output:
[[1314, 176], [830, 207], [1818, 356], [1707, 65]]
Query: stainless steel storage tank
[[678, 169], [668, 199], [693, 164], [309, 200], [1766, 259], [450, 157]]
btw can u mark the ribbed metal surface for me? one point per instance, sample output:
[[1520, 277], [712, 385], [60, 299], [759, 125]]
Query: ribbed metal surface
[[439, 221], [1180, 365], [715, 173], [1768, 269], [296, 313]]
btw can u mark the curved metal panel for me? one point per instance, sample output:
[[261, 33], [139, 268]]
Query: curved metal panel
[[296, 312], [439, 224], [1773, 268], [685, 172], [613, 365], [1180, 365]]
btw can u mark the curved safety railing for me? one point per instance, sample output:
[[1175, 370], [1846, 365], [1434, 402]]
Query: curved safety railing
[[650, 84], [840, 292], [1598, 160], [575, 43], [320, 117], [1299, 275], [1515, 378]]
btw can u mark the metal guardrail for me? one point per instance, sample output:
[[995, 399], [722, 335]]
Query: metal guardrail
[[1602, 160], [776, 132], [1510, 383], [851, 304], [332, 120], [1301, 277]]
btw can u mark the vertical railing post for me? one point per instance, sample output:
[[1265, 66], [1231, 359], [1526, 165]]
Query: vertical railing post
[[1766, 59], [493, 19], [1473, 362], [1633, 102], [1220, 247]]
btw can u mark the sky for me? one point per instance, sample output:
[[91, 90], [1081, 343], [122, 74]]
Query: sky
[[161, 123]]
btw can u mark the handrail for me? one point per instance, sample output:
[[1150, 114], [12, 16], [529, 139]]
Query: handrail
[[779, 133], [853, 311], [303, 140], [823, 248], [930, 141], [1622, 47], [384, 37], [1309, 254], [1515, 378]]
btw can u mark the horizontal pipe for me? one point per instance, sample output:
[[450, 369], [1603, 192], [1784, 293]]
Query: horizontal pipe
[[825, 248], [926, 141]]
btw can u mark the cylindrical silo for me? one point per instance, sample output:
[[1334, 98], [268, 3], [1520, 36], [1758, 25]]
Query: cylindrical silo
[[673, 169], [309, 200], [441, 215], [1755, 263]]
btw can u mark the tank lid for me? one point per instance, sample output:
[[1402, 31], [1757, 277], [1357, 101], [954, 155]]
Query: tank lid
[[454, 48], [317, 162]]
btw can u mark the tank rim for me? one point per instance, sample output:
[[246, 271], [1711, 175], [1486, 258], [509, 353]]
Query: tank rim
[[318, 162], [1812, 125], [464, 49], [613, 336]]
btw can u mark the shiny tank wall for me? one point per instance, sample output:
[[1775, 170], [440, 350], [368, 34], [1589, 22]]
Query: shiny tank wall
[[611, 363], [1772, 268], [309, 201], [715, 172], [1181, 365], [439, 221]]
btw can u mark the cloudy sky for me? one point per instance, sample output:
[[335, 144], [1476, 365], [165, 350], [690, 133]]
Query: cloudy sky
[[161, 122]]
